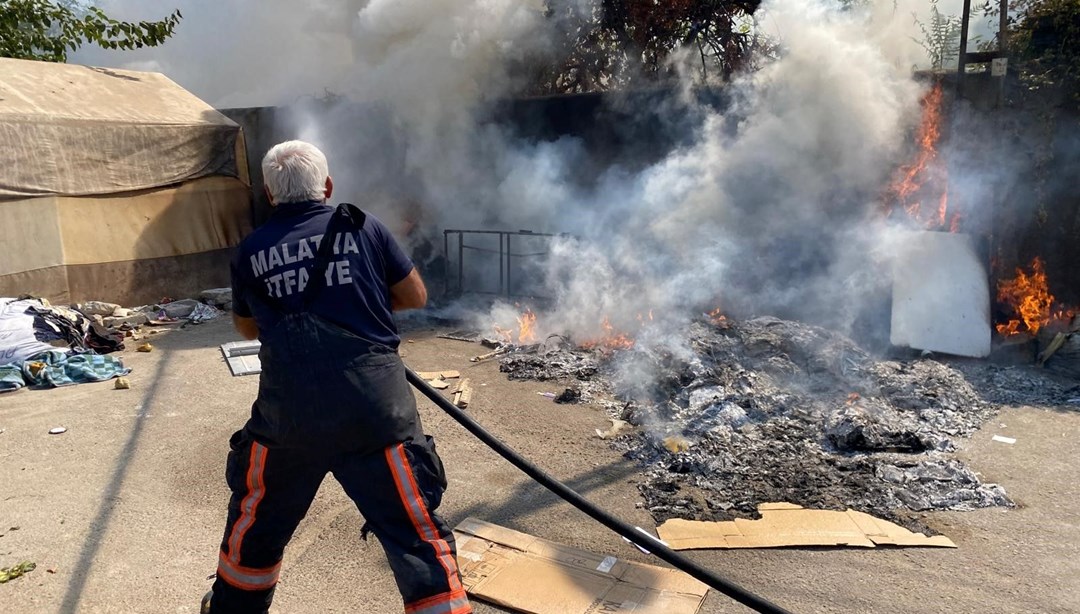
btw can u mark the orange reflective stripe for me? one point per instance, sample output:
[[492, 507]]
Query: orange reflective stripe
[[247, 578], [256, 490], [454, 602], [418, 514]]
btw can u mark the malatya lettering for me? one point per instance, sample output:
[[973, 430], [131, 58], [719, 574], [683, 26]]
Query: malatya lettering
[[265, 262]]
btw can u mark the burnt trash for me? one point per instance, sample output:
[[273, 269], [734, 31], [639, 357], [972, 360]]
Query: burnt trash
[[859, 429], [775, 410], [569, 396]]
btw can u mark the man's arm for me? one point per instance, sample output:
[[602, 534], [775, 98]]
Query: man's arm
[[246, 327], [409, 293]]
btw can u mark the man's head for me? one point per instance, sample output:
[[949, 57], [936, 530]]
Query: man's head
[[295, 171]]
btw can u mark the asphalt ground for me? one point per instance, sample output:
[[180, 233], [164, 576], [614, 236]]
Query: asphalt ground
[[124, 511]]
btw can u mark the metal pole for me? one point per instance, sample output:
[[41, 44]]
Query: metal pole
[[502, 266], [1003, 48], [446, 262], [962, 61], [461, 263], [509, 265]]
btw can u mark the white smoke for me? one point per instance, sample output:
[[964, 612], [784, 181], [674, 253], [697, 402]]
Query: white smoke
[[774, 209], [771, 208]]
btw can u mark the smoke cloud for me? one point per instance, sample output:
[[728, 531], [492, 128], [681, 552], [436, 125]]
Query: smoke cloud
[[771, 205]]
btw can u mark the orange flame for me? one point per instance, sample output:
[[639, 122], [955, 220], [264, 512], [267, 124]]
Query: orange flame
[[527, 327], [917, 183], [610, 340], [717, 317], [1028, 295]]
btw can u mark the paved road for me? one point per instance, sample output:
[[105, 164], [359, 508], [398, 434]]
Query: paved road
[[124, 511]]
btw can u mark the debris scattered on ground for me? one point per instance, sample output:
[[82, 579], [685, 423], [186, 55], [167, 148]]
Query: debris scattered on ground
[[560, 365], [242, 357], [491, 354], [616, 427], [97, 308], [463, 394], [502, 566], [433, 375], [131, 320], [122, 383], [90, 328], [438, 384], [21, 569], [676, 444], [471, 336], [221, 298], [770, 410], [547, 395], [1018, 385], [57, 430], [180, 309], [203, 313], [784, 524], [146, 347], [569, 395], [1002, 439]]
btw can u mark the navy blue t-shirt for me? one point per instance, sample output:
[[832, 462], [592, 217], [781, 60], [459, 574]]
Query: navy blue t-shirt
[[277, 258]]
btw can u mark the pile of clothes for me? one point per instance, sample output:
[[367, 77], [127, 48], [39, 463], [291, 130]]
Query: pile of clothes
[[45, 346]]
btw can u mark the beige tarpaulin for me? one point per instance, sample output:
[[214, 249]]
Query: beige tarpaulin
[[77, 130], [116, 185]]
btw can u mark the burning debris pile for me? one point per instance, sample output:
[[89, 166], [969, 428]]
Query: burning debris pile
[[772, 410]]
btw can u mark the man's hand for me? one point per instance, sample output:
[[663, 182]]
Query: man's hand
[[246, 327], [409, 293]]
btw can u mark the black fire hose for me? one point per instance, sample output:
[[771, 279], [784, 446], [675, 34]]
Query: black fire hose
[[677, 560]]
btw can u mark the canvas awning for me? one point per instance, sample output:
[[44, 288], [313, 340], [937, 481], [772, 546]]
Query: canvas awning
[[77, 130]]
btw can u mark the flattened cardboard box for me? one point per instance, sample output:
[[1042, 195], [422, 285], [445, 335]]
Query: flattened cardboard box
[[529, 574], [787, 524]]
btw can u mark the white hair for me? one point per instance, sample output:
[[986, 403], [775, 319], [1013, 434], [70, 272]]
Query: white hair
[[295, 171]]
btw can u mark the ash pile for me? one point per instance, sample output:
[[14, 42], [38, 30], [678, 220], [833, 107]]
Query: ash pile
[[771, 410]]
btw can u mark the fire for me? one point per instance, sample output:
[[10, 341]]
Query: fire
[[611, 339], [916, 184], [527, 327], [717, 317], [1028, 295]]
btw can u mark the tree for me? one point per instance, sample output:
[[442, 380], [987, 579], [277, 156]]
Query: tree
[[48, 30], [941, 37], [612, 43], [1044, 40]]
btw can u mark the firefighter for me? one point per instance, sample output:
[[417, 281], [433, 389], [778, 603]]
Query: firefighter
[[317, 285]]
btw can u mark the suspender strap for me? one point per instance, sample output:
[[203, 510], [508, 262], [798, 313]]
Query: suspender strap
[[346, 218]]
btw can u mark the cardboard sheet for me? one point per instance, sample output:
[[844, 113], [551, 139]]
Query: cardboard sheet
[[529, 574], [242, 357], [786, 524]]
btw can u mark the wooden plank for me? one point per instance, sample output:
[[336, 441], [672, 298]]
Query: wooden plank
[[1066, 360], [463, 394], [431, 375]]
